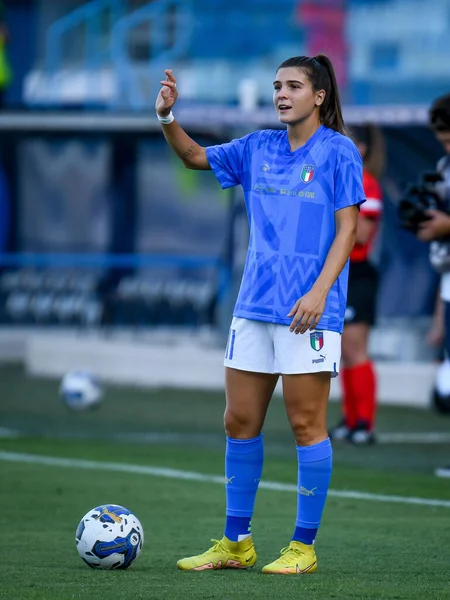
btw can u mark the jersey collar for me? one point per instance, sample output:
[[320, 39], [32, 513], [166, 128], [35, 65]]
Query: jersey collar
[[305, 148]]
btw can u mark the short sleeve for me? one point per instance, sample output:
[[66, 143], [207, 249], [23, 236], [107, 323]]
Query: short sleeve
[[348, 182], [230, 161]]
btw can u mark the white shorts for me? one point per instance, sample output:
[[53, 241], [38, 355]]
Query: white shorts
[[272, 348]]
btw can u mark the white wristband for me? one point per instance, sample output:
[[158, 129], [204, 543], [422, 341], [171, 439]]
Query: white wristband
[[166, 120]]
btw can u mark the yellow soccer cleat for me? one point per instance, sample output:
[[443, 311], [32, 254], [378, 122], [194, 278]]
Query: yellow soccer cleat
[[225, 554], [296, 559]]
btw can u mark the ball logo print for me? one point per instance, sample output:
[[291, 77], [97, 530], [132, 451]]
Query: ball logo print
[[109, 537], [134, 539]]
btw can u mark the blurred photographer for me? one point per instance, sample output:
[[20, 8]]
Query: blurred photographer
[[436, 229]]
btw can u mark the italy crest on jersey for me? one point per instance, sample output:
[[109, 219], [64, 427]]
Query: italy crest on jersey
[[316, 340], [307, 173]]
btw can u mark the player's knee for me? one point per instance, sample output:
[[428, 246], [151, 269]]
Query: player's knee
[[307, 429], [353, 353], [355, 344], [239, 425], [352, 360], [349, 351]]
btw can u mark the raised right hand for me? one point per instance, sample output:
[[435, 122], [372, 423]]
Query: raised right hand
[[167, 94]]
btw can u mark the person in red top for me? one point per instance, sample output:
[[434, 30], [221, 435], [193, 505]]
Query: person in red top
[[358, 378]]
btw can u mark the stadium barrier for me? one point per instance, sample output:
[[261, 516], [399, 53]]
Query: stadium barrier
[[183, 362], [174, 359]]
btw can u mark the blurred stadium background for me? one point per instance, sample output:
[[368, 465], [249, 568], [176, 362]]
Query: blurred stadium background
[[105, 232], [116, 259]]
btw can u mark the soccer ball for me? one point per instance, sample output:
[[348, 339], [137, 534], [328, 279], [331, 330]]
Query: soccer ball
[[109, 537], [80, 390]]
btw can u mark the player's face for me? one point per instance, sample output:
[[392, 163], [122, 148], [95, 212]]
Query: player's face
[[444, 138], [293, 96]]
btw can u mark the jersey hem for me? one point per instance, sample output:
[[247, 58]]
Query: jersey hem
[[268, 319]]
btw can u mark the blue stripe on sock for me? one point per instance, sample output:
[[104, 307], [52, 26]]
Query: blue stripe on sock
[[304, 535], [236, 526]]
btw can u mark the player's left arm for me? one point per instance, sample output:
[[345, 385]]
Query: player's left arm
[[308, 309]]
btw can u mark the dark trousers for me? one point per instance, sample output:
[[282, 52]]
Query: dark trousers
[[447, 329]]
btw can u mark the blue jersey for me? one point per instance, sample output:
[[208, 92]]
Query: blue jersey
[[291, 198]]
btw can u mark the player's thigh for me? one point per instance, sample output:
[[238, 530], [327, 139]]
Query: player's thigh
[[248, 395], [250, 346], [306, 399], [249, 376], [355, 340]]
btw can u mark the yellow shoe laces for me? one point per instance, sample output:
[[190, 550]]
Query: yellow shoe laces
[[290, 549], [217, 546]]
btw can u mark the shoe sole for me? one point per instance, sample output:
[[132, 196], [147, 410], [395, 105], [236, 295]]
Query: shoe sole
[[219, 567], [308, 570]]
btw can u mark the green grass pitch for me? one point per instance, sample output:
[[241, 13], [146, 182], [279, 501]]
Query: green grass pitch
[[367, 549]]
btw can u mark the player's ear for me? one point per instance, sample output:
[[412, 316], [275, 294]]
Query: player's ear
[[320, 97]]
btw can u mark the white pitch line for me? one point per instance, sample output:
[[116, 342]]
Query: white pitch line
[[426, 437], [193, 476], [8, 433]]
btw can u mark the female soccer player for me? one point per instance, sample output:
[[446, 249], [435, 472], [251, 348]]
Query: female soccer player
[[357, 372], [303, 187]]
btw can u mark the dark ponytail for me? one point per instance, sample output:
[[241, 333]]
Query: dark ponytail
[[320, 72]]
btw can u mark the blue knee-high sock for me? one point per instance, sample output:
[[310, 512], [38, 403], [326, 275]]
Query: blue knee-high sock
[[243, 469], [314, 474]]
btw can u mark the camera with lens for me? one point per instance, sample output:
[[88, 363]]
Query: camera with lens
[[420, 198]]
